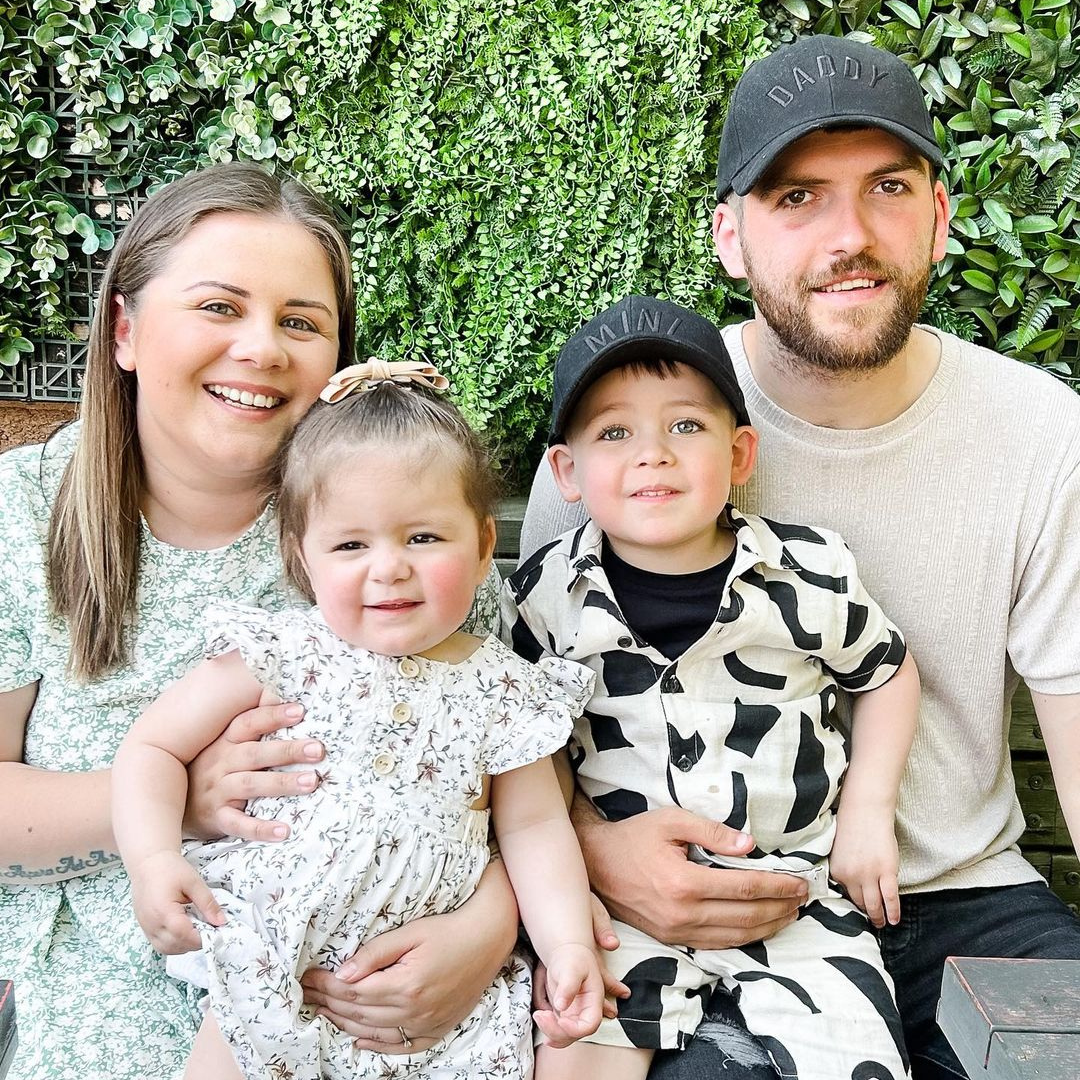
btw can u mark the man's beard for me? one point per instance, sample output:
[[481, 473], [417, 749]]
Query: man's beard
[[788, 316]]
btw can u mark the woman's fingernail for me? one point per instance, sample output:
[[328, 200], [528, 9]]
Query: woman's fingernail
[[280, 832], [313, 750], [345, 972], [308, 781], [294, 712]]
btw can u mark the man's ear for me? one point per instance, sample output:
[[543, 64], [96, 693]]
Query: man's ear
[[725, 232], [743, 454], [124, 351], [561, 460], [942, 210]]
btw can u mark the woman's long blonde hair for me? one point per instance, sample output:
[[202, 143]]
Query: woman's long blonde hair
[[93, 543]]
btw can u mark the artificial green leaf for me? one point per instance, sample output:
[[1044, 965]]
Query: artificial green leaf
[[978, 280], [1036, 223], [998, 214], [1055, 263], [982, 258], [904, 12], [950, 71]]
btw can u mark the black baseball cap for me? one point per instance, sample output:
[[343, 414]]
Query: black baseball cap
[[817, 82], [640, 328]]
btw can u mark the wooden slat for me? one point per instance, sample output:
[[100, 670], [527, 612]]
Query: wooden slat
[[508, 528]]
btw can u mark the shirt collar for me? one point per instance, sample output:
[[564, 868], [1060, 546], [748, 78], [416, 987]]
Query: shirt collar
[[754, 544]]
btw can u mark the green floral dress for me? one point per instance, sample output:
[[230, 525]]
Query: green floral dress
[[92, 998]]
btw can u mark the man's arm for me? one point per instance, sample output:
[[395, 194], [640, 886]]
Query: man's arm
[[1059, 720]]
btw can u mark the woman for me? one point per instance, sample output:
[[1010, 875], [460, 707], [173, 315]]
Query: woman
[[225, 307]]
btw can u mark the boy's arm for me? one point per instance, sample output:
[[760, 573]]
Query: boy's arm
[[149, 774], [1059, 721], [864, 854], [545, 866]]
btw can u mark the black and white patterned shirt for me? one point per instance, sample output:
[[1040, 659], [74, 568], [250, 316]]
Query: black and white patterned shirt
[[739, 728]]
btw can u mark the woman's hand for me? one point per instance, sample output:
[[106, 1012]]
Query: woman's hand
[[234, 768], [421, 978]]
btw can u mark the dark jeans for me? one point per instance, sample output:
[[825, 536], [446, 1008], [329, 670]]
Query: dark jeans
[[1015, 920]]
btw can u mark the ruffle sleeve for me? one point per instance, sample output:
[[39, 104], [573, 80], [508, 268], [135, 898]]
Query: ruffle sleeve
[[254, 631], [535, 711]]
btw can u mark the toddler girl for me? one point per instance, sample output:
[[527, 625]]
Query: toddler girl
[[385, 511]]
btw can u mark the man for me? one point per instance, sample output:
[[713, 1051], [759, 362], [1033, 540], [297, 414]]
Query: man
[[954, 475]]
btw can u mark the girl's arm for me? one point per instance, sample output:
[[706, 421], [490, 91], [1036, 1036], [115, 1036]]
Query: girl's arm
[[150, 770], [149, 790], [547, 871], [864, 855], [56, 824]]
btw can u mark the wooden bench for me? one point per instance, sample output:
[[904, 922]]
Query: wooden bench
[[1045, 843], [1013, 1019]]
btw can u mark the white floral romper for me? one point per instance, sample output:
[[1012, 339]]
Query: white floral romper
[[388, 837]]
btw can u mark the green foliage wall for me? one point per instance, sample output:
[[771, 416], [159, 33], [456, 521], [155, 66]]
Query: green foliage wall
[[509, 166], [512, 165]]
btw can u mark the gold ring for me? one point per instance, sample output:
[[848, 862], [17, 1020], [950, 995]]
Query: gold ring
[[405, 1040]]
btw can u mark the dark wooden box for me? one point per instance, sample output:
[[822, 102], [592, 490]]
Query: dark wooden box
[[7, 1025], [1013, 1019]]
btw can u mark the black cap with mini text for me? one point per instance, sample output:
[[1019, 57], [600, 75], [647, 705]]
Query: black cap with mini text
[[640, 328], [817, 82]]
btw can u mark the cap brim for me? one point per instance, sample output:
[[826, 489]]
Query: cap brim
[[745, 179], [639, 348]]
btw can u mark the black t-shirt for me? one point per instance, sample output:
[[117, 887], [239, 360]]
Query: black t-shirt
[[669, 611]]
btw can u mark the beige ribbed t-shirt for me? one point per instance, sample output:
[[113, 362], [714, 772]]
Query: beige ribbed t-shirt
[[964, 516]]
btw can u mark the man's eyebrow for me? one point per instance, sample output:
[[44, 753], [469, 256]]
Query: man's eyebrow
[[769, 185], [245, 295], [908, 163]]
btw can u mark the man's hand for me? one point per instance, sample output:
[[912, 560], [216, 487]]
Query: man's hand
[[640, 869], [233, 769], [162, 886]]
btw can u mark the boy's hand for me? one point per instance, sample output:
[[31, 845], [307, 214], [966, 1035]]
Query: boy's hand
[[865, 860], [162, 886], [575, 994]]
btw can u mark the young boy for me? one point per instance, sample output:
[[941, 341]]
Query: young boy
[[720, 643]]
